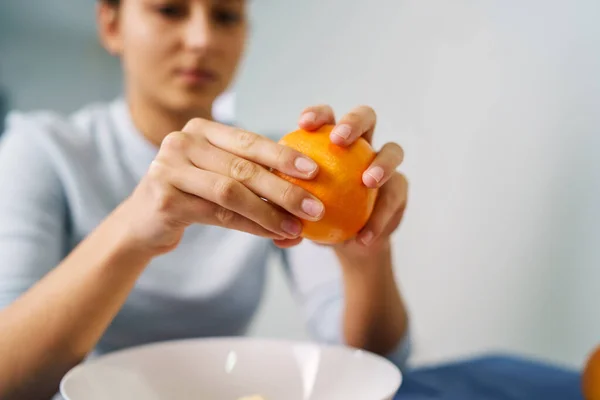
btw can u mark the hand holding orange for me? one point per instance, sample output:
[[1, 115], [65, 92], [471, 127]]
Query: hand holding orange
[[364, 196], [338, 184]]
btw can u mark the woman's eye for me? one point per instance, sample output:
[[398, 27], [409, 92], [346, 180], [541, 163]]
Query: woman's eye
[[224, 17], [171, 11]]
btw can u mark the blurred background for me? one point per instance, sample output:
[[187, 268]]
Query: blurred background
[[496, 103]]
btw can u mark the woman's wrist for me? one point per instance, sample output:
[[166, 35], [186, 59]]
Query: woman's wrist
[[119, 232], [372, 260]]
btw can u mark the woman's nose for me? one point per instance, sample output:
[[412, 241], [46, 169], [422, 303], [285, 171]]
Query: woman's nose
[[199, 32]]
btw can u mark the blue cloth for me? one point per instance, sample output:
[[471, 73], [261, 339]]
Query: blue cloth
[[492, 378]]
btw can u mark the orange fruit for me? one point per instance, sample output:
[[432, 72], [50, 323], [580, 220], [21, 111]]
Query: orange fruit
[[338, 184], [591, 376]]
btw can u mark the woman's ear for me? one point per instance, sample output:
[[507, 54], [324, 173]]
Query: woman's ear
[[107, 17]]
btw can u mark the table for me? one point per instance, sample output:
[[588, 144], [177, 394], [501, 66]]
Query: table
[[498, 377]]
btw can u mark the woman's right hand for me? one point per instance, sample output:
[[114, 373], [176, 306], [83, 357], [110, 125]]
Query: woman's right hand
[[215, 174]]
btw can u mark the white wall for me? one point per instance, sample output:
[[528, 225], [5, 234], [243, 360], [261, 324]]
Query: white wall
[[496, 104], [50, 56], [56, 71]]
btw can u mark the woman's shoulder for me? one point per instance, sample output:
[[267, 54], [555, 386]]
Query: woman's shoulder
[[51, 132], [78, 125]]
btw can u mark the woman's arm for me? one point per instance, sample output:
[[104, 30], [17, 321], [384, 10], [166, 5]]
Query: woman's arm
[[375, 317], [54, 325]]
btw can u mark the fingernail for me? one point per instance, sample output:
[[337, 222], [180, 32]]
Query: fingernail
[[312, 207], [367, 237], [308, 118], [376, 173], [342, 131], [306, 165], [292, 227]]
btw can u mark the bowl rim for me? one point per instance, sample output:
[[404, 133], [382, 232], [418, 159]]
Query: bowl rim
[[398, 379]]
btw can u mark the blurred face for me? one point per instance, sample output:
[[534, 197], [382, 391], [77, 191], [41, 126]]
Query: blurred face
[[180, 54]]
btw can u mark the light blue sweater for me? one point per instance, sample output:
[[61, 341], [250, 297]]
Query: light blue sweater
[[63, 176]]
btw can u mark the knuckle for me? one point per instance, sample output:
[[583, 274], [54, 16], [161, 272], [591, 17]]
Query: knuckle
[[396, 151], [404, 184], [368, 110], [327, 108], [291, 194], [174, 141], [226, 191], [394, 198], [224, 216], [395, 147], [246, 140], [399, 182], [158, 171], [285, 157], [402, 178], [195, 124], [360, 115], [353, 117], [243, 170]]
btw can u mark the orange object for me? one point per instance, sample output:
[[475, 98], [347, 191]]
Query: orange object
[[591, 376], [338, 184]]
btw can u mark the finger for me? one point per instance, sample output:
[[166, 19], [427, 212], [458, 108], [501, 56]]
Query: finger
[[228, 219], [384, 165], [231, 195], [314, 117], [255, 148], [265, 184], [394, 222], [207, 213], [287, 243], [391, 199], [360, 122], [181, 208]]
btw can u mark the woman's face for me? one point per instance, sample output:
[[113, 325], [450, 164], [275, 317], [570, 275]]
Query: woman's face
[[179, 54]]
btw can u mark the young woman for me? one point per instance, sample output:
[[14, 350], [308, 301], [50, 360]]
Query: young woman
[[142, 220]]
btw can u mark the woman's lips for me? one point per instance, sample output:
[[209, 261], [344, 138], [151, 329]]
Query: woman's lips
[[197, 76]]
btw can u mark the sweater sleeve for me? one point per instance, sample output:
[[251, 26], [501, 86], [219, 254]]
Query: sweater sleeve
[[33, 228]]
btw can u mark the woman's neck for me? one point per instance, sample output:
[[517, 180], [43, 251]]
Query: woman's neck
[[155, 121]]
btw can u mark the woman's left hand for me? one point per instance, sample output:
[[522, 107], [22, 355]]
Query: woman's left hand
[[382, 174]]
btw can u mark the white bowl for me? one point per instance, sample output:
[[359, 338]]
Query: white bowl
[[231, 368]]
